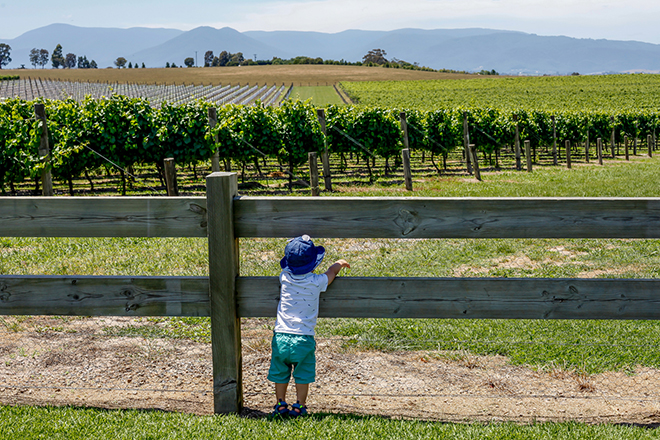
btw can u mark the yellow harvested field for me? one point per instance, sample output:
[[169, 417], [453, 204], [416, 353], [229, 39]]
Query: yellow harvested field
[[299, 75]]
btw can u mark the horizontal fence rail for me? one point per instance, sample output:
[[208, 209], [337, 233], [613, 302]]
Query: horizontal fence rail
[[103, 217], [340, 217], [495, 217], [347, 297]]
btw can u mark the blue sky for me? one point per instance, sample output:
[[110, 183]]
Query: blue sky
[[613, 19]]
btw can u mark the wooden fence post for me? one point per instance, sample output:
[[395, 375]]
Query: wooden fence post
[[170, 177], [213, 121], [517, 143], [568, 154], [325, 156], [475, 161], [613, 138], [554, 140], [407, 174], [599, 150], [625, 143], [649, 142], [528, 155], [586, 147], [466, 142], [405, 153], [44, 152], [635, 141], [313, 173], [221, 188]]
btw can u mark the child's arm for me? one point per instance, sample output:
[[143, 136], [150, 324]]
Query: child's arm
[[333, 270]]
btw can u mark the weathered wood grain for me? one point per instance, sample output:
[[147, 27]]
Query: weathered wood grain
[[223, 270], [348, 297], [482, 298], [376, 217], [103, 217], [103, 296]]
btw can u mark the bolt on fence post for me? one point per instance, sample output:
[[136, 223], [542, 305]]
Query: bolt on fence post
[[221, 188], [213, 120], [170, 177], [313, 173], [407, 174], [568, 154], [528, 155], [599, 149], [325, 156], [44, 152]]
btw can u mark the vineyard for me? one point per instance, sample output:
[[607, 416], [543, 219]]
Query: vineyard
[[140, 126], [30, 89]]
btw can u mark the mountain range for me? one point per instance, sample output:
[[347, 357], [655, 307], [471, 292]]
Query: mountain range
[[508, 52]]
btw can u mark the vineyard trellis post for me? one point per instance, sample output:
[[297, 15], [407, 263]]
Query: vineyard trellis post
[[625, 146], [554, 140], [613, 138], [649, 141], [213, 120], [405, 153], [170, 177], [44, 151], [586, 145], [568, 154], [528, 155], [517, 143], [466, 142], [325, 156], [313, 173], [599, 149], [223, 269], [475, 161]]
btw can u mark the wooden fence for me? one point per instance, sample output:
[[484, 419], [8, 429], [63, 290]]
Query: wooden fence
[[224, 217]]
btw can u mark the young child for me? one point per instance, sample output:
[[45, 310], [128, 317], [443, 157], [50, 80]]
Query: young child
[[293, 340]]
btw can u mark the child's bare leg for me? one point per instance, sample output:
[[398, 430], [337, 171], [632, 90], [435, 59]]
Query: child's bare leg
[[280, 391], [301, 392]]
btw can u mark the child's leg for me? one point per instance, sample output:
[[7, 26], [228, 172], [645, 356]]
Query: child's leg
[[280, 391], [301, 392]]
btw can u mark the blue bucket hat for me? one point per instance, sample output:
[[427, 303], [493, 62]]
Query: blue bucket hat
[[301, 256]]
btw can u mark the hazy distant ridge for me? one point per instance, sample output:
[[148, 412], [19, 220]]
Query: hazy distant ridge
[[459, 49]]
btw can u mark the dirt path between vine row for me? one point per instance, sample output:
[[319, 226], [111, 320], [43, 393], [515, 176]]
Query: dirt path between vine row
[[91, 369]]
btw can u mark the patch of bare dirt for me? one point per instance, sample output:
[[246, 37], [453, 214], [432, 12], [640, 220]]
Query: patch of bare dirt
[[91, 369]]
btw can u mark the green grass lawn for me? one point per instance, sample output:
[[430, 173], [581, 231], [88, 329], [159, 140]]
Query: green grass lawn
[[26, 423], [320, 95]]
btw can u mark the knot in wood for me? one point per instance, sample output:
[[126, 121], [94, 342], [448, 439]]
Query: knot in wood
[[407, 221]]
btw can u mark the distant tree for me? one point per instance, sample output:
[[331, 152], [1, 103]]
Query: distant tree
[[143, 66], [189, 62], [57, 59], [43, 57], [93, 65], [173, 65], [167, 64], [120, 62], [83, 63], [5, 50], [375, 56], [208, 58], [70, 61], [223, 58], [236, 59], [34, 57], [130, 65]]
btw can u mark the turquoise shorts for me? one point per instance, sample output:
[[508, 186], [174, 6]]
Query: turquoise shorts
[[293, 352]]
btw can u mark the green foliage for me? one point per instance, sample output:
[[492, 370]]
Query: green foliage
[[301, 132]]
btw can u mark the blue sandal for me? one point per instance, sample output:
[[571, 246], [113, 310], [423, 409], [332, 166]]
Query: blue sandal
[[297, 410], [281, 409]]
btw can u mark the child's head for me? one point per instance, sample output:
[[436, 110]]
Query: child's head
[[301, 256]]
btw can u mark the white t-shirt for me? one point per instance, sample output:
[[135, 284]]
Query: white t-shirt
[[298, 308]]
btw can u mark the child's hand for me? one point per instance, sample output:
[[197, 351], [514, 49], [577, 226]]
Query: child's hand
[[335, 268], [343, 263]]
